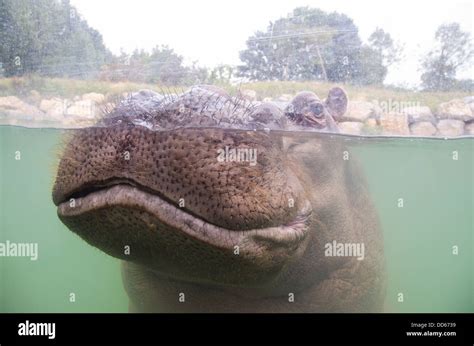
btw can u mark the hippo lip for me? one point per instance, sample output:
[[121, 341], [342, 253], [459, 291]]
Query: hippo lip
[[122, 192]]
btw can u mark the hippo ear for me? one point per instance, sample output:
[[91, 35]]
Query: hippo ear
[[336, 102]]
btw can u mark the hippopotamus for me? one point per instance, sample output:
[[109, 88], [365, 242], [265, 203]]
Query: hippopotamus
[[217, 204]]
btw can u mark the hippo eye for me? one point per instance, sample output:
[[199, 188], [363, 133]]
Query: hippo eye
[[317, 109]]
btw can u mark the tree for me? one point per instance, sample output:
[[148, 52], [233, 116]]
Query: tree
[[376, 57], [49, 38], [372, 71], [307, 44], [163, 65], [453, 51], [382, 43], [166, 66], [221, 74]]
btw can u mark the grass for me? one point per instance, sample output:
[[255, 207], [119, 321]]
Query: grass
[[66, 88], [69, 88]]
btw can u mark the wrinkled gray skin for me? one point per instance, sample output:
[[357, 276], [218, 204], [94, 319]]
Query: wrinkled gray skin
[[248, 237]]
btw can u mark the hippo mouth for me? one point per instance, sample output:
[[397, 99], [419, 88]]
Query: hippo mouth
[[160, 212]]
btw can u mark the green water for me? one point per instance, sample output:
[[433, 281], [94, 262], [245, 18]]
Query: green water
[[437, 214]]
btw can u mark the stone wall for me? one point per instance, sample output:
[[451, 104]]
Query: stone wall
[[449, 119], [34, 111]]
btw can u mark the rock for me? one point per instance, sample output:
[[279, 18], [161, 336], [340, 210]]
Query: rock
[[469, 129], [350, 127], [450, 127], [96, 97], [285, 98], [13, 107], [468, 99], [108, 107], [267, 99], [10, 102], [248, 94], [77, 122], [371, 122], [34, 97], [83, 109], [371, 127], [418, 114], [395, 124], [423, 128], [455, 109], [360, 111], [54, 108]]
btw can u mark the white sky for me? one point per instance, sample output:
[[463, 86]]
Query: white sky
[[213, 32]]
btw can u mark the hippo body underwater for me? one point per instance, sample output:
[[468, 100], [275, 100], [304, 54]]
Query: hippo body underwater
[[165, 183]]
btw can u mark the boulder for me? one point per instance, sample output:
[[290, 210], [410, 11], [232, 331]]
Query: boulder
[[34, 97], [469, 129], [468, 99], [83, 109], [371, 127], [395, 124], [13, 107], [371, 122], [96, 97], [420, 113], [108, 107], [54, 108], [450, 127], [10, 102], [423, 128], [350, 127], [455, 109], [77, 122], [360, 111]]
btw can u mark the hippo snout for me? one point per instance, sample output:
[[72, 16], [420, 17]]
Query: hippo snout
[[237, 180]]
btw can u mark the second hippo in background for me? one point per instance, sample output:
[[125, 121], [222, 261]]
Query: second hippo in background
[[308, 110]]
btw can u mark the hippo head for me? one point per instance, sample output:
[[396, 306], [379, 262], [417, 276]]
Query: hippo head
[[308, 110], [204, 188]]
